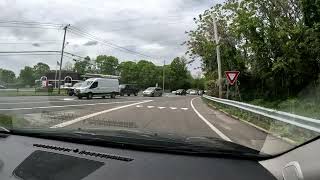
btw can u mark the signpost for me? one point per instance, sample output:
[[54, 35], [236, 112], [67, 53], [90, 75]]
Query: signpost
[[232, 76]]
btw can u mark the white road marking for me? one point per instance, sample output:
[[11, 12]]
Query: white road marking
[[150, 107], [68, 99], [139, 106], [67, 123], [185, 109], [37, 102], [72, 105], [208, 123], [161, 107], [173, 108]]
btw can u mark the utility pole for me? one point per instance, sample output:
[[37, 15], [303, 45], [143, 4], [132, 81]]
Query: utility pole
[[216, 37], [163, 74], [62, 51]]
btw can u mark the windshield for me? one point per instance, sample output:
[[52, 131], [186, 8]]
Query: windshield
[[233, 71], [77, 85], [86, 83]]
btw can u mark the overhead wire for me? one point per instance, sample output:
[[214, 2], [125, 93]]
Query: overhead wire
[[80, 32]]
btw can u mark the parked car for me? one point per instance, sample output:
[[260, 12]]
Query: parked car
[[128, 89], [181, 92], [188, 91], [2, 87], [98, 87], [152, 92], [173, 92], [193, 92], [71, 90]]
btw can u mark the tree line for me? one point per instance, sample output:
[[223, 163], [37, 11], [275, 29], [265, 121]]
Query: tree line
[[143, 73], [274, 43]]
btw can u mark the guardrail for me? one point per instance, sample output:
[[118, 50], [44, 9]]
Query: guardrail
[[297, 120]]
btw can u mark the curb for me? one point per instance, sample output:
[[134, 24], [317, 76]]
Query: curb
[[290, 141]]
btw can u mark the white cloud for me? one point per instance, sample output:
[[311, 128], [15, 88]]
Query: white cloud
[[152, 27]]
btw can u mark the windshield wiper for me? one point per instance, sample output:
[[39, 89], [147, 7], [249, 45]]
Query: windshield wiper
[[4, 130], [147, 142]]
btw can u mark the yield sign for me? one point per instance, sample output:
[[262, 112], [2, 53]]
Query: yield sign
[[232, 76]]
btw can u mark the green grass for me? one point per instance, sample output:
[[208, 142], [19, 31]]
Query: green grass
[[31, 92], [296, 134]]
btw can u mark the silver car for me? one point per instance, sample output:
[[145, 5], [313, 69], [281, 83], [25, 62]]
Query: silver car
[[152, 92]]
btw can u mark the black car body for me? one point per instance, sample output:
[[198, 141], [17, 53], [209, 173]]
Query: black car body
[[181, 92], [128, 89]]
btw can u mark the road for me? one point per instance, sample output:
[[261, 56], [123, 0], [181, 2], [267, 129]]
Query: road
[[183, 115]]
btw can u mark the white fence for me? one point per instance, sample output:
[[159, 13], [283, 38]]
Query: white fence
[[300, 121]]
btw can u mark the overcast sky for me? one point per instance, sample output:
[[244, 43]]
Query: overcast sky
[[152, 27]]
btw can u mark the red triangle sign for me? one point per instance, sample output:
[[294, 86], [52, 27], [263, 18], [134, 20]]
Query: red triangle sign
[[232, 76]]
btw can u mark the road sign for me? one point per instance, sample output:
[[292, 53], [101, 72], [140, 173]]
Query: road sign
[[232, 76]]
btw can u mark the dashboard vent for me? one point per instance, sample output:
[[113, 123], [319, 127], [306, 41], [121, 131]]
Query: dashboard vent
[[83, 152]]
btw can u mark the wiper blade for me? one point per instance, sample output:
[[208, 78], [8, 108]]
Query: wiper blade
[[4, 130], [145, 142]]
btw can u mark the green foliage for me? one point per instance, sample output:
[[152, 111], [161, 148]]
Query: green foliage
[[83, 66], [7, 76], [275, 44], [40, 69], [27, 76], [107, 64]]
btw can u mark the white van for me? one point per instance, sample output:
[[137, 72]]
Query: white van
[[98, 87]]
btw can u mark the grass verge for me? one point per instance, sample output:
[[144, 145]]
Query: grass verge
[[288, 132]]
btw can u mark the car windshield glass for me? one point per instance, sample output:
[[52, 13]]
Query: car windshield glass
[[77, 85], [86, 83], [240, 72]]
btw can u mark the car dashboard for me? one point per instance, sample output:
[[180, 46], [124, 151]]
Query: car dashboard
[[23, 157]]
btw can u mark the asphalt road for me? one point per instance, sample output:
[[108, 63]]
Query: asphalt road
[[183, 115]]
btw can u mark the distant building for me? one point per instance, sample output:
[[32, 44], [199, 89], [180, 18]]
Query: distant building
[[68, 78]]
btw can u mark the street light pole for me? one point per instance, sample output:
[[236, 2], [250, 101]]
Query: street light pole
[[216, 37], [62, 51], [163, 74]]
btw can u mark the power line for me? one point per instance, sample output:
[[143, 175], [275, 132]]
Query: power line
[[115, 46], [31, 52], [30, 23]]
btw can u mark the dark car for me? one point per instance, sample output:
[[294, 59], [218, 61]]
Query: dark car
[[128, 89], [2, 87], [181, 92]]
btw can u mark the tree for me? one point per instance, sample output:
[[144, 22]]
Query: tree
[[275, 44], [148, 74], [7, 76], [83, 66], [40, 69], [128, 72], [179, 74], [107, 64], [68, 66], [26, 76]]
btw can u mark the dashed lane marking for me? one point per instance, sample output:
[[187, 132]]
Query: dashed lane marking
[[63, 106], [150, 107], [173, 108], [67, 123], [185, 109], [161, 107], [139, 106]]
